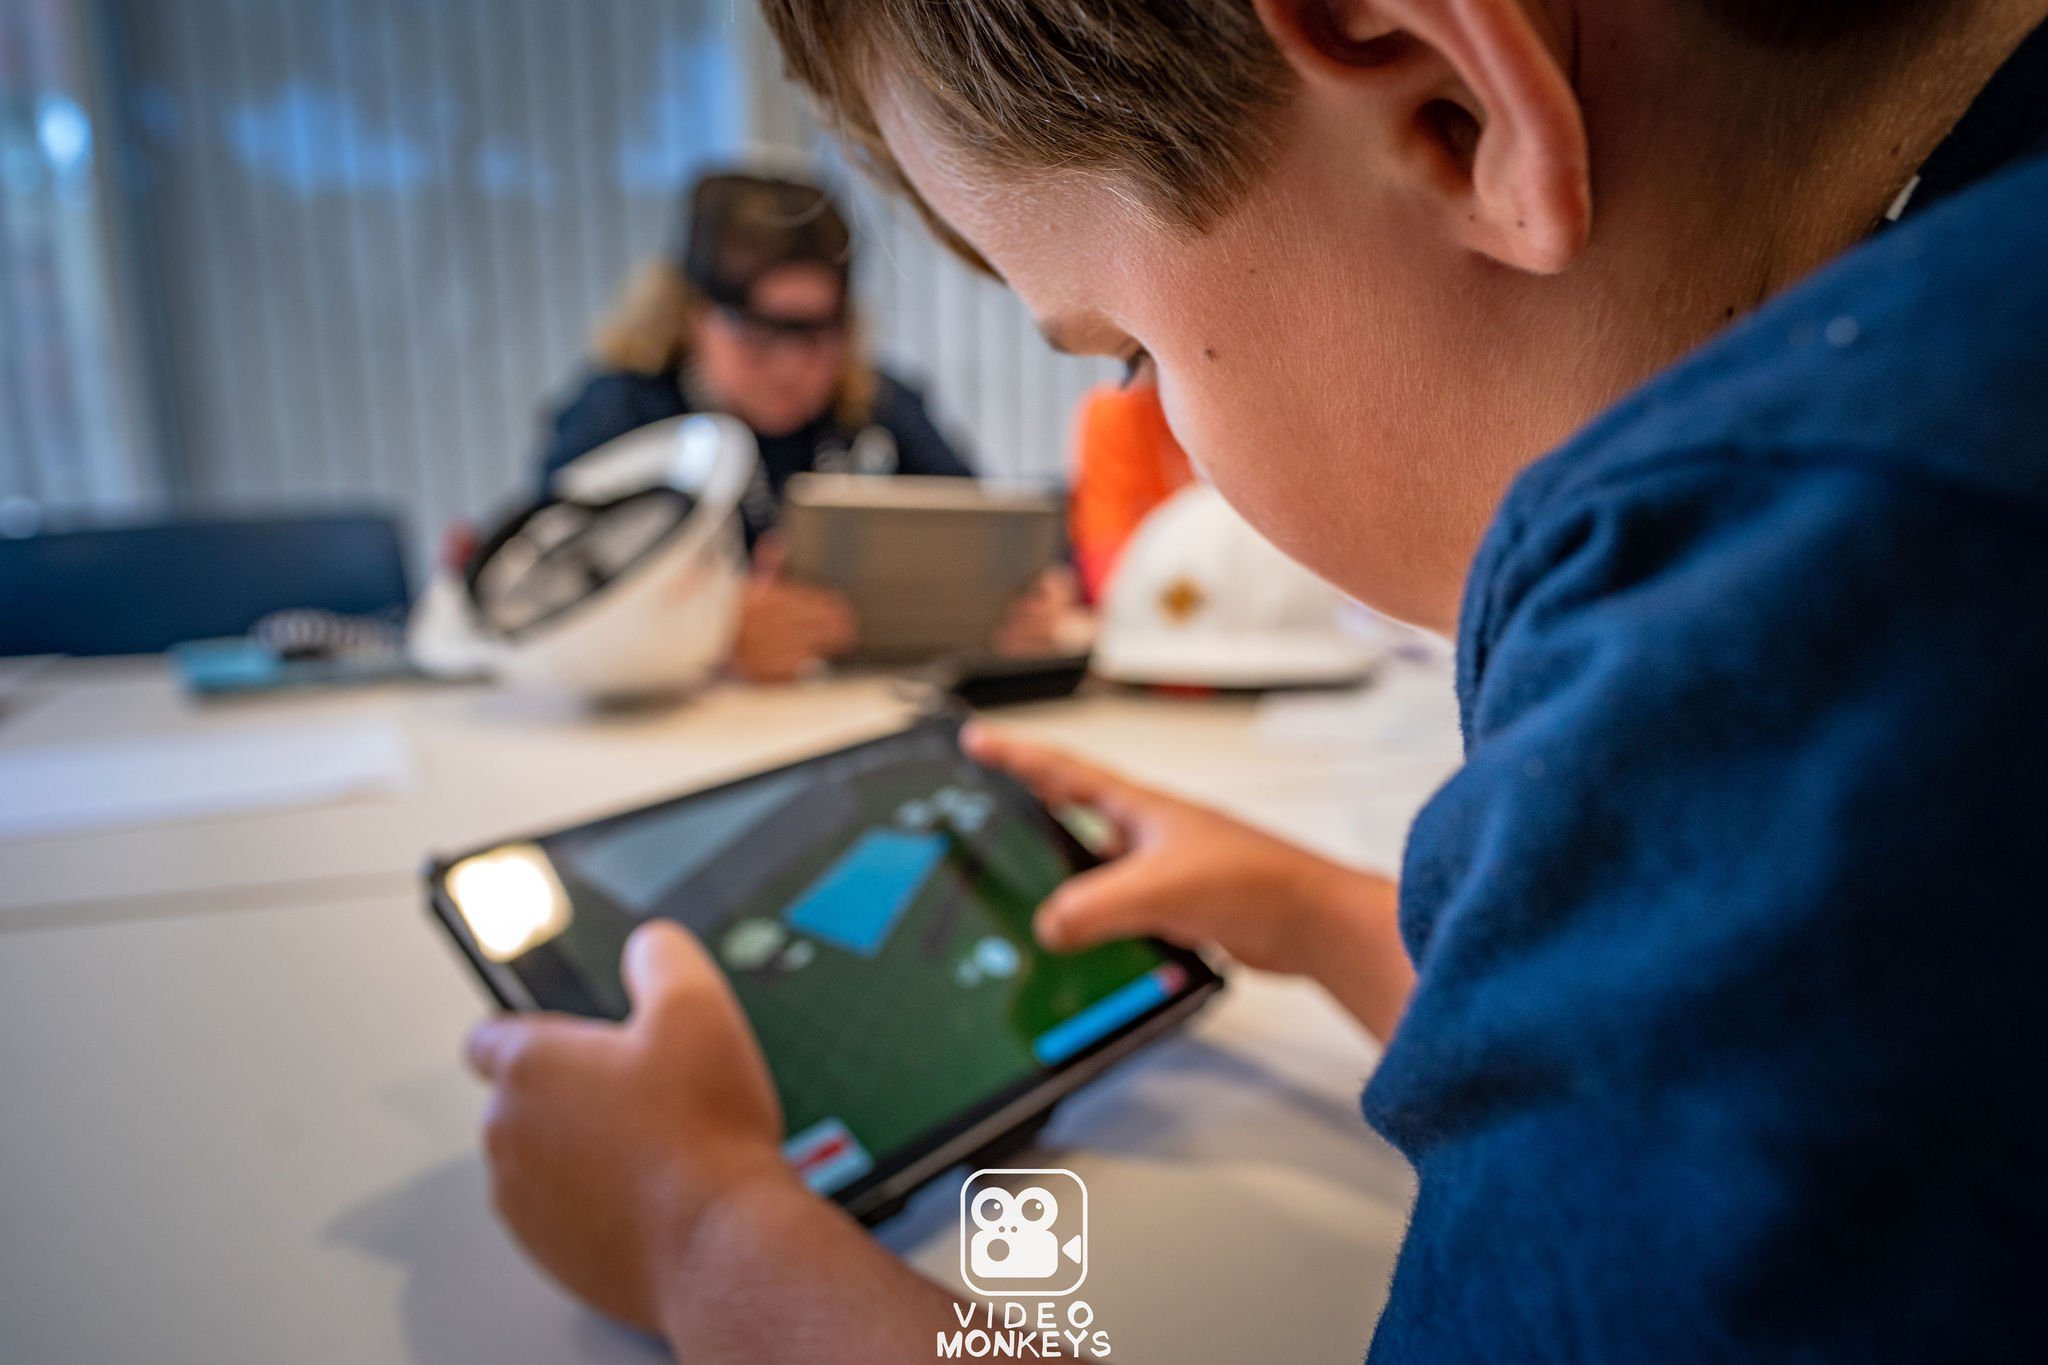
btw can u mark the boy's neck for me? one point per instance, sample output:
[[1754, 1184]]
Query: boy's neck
[[1723, 177], [1876, 137], [1809, 150]]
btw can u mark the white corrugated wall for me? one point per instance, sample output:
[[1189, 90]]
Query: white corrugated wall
[[68, 430], [989, 373], [371, 237]]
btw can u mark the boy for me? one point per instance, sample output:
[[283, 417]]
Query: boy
[[1726, 940]]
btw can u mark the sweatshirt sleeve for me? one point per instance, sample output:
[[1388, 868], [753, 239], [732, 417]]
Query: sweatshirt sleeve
[[1731, 934]]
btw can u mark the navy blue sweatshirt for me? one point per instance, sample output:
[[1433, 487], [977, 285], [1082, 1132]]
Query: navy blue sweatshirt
[[1732, 934], [614, 402]]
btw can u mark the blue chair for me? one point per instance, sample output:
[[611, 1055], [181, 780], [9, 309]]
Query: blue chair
[[141, 589]]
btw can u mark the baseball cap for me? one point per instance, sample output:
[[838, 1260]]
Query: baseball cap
[[742, 226]]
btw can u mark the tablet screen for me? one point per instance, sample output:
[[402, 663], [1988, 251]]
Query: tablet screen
[[873, 910]]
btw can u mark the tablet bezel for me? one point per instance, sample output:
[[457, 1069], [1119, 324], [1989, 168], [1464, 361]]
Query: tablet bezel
[[894, 1174]]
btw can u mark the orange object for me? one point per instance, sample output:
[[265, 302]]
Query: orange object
[[1126, 463]]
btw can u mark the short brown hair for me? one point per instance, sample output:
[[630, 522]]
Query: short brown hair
[[1174, 96], [1171, 95]]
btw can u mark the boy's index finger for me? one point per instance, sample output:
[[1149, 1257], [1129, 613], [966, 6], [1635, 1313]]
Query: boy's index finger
[[1057, 777]]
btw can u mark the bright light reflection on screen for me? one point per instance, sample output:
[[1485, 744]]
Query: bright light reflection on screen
[[510, 898]]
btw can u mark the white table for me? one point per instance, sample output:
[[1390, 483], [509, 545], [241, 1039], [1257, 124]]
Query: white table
[[236, 1128], [492, 764]]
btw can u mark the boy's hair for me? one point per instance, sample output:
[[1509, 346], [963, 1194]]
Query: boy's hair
[[1165, 94], [1171, 96]]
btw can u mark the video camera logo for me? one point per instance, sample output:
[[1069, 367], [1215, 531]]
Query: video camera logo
[[1023, 1233]]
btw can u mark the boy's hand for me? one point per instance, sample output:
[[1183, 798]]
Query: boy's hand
[[1195, 877], [608, 1143], [1181, 872]]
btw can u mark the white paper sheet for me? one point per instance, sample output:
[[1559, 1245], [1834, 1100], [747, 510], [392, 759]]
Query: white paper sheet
[[72, 788], [1395, 743], [1411, 708]]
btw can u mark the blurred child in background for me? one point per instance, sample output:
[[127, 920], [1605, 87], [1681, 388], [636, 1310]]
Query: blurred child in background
[[754, 318]]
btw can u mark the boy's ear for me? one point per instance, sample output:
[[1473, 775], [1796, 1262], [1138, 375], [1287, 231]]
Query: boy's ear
[[1472, 100]]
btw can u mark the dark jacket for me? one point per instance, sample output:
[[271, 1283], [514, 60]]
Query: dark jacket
[[614, 402]]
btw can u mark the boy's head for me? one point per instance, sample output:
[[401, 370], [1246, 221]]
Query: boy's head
[[1382, 253]]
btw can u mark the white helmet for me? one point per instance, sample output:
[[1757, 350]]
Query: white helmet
[[1201, 599], [624, 584]]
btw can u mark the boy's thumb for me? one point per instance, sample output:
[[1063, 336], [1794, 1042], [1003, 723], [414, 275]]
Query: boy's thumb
[[661, 959]]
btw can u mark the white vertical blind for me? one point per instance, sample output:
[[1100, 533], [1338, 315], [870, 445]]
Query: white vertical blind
[[381, 229], [66, 430], [371, 237], [969, 343]]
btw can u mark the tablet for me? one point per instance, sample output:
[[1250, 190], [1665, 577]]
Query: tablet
[[929, 564], [872, 909]]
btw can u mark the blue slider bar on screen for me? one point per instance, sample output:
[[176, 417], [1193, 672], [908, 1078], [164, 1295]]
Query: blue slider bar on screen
[[1107, 1015]]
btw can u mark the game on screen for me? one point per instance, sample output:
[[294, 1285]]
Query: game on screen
[[873, 910]]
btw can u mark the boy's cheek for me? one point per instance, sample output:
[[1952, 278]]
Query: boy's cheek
[[1244, 434]]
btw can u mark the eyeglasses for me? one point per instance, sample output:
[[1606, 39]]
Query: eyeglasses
[[766, 332]]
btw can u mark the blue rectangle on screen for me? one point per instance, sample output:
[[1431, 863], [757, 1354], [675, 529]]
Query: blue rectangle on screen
[[1105, 1016], [856, 902]]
